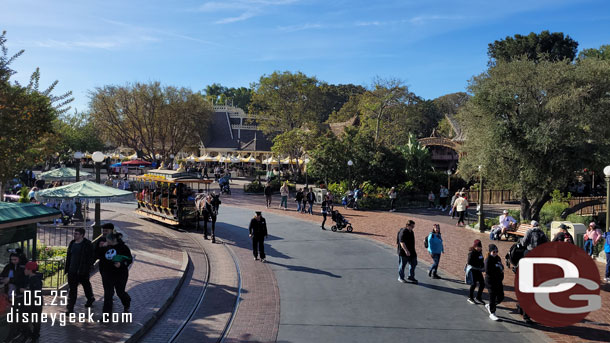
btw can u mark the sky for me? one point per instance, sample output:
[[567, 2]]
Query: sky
[[434, 46]]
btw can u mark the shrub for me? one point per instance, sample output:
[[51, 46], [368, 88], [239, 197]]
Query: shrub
[[557, 196], [575, 218], [552, 211], [254, 187], [515, 214]]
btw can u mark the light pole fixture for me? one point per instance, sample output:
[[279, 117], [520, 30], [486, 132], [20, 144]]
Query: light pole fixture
[[77, 156], [481, 217], [97, 157], [448, 180], [607, 173], [350, 163], [171, 157]]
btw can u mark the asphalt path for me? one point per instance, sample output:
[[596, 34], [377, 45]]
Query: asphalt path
[[339, 287]]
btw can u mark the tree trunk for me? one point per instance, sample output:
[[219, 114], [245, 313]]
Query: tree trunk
[[1, 191], [377, 129], [530, 210]]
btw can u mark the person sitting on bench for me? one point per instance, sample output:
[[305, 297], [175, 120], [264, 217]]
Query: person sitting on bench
[[507, 222]]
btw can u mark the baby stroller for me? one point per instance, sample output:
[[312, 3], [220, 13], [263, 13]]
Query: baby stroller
[[340, 222], [516, 253], [223, 182], [349, 201]]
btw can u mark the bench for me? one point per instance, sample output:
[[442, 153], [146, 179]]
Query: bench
[[520, 232]]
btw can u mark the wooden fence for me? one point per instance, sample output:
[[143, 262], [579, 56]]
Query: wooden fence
[[598, 205], [491, 196]]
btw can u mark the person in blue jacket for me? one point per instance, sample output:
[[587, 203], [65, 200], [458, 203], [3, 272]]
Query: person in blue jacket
[[435, 248]]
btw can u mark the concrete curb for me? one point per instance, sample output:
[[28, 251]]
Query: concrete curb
[[151, 319]]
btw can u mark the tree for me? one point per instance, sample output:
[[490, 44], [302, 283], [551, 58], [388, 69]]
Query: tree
[[26, 119], [418, 162], [78, 133], [552, 46], [448, 106], [238, 97], [328, 160], [150, 118], [336, 96], [284, 101], [602, 53], [531, 124], [290, 144]]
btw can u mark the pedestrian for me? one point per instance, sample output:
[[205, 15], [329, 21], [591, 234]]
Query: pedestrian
[[392, 195], [258, 232], [324, 212], [330, 198], [476, 267], [451, 209], [207, 214], [406, 252], [534, 237], [607, 251], [591, 237], [32, 283], [431, 198], [79, 261], [494, 274], [268, 192], [461, 205], [115, 257], [564, 236], [310, 199], [12, 274], [284, 192], [443, 195], [435, 249], [215, 202], [299, 199]]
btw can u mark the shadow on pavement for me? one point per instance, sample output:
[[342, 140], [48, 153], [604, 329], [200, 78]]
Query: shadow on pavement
[[305, 269]]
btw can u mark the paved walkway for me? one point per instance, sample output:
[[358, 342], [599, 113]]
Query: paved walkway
[[382, 227]]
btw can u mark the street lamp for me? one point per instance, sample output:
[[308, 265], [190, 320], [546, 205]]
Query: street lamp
[[77, 156], [607, 173], [481, 218], [449, 180], [97, 157], [171, 157], [349, 170]]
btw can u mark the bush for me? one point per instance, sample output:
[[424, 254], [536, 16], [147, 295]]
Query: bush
[[575, 218], [515, 214], [557, 196], [552, 211], [254, 187]]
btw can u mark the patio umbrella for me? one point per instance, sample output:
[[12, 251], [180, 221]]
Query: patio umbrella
[[192, 158], [136, 163], [234, 159], [83, 191], [62, 174], [206, 158], [115, 165]]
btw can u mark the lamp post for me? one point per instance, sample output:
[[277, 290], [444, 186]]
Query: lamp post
[[349, 170], [481, 218], [171, 157], [97, 157], [449, 180], [607, 173], [77, 156]]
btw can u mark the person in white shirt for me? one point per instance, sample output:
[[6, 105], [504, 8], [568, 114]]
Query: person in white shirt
[[507, 222], [443, 195]]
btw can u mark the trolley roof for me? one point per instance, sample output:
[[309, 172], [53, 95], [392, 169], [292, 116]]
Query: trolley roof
[[171, 176]]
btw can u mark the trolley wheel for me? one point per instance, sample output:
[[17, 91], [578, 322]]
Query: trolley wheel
[[333, 228], [349, 228]]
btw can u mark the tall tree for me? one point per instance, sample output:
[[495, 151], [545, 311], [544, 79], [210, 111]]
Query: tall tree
[[602, 53], [78, 133], [545, 45], [238, 97], [292, 144], [531, 124], [284, 101], [149, 118]]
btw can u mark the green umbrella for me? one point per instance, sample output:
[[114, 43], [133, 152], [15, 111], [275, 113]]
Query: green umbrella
[[83, 191], [62, 174]]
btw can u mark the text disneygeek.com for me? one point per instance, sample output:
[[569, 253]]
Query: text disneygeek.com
[[16, 316]]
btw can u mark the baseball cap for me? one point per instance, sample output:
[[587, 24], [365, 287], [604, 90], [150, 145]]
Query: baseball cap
[[505, 212], [33, 266], [534, 223]]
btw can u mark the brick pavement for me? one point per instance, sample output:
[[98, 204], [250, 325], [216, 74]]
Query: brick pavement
[[369, 224], [158, 267]]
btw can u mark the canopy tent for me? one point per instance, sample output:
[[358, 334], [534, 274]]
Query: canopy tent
[[250, 159], [136, 163], [271, 160], [115, 165], [206, 158], [192, 158], [234, 159], [83, 191], [62, 174], [133, 157]]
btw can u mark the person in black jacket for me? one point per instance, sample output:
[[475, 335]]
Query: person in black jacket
[[258, 232], [115, 257], [299, 199], [32, 283], [310, 200], [13, 274], [324, 211], [494, 274], [78, 267], [406, 252], [268, 192], [477, 266]]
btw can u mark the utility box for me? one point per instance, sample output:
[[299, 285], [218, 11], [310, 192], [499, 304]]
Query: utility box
[[319, 194], [575, 229]]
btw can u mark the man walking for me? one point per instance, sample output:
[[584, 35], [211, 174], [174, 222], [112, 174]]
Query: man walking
[[258, 232], [406, 252], [78, 266], [268, 192], [443, 196]]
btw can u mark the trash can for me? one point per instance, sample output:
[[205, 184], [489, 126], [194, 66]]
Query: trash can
[[319, 194]]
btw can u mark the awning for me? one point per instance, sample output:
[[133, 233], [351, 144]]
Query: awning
[[63, 174], [15, 214], [83, 191]]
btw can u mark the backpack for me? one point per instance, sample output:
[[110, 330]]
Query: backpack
[[426, 241], [539, 235]]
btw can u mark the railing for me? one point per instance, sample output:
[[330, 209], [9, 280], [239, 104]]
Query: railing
[[244, 127], [491, 196], [52, 270], [592, 209], [60, 235]]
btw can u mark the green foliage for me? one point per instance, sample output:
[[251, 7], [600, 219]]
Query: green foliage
[[557, 196], [238, 97], [78, 133], [338, 189], [254, 187], [23, 194], [529, 125], [549, 46], [552, 211], [290, 143], [575, 218], [418, 162], [602, 53]]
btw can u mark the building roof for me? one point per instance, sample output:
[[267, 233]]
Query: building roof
[[220, 133], [14, 214], [223, 136]]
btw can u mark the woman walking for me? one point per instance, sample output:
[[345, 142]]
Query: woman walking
[[392, 194], [461, 205], [284, 192], [476, 266], [591, 237], [494, 274], [435, 248], [324, 211], [115, 257]]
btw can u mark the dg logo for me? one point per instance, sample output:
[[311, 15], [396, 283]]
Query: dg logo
[[557, 284]]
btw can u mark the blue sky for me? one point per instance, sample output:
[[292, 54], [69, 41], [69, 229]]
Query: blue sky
[[434, 46]]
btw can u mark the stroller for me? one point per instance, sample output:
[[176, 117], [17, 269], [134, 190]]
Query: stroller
[[223, 182], [516, 253], [349, 200], [340, 222]]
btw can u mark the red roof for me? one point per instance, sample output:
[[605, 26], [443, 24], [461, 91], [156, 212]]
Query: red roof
[[136, 163]]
